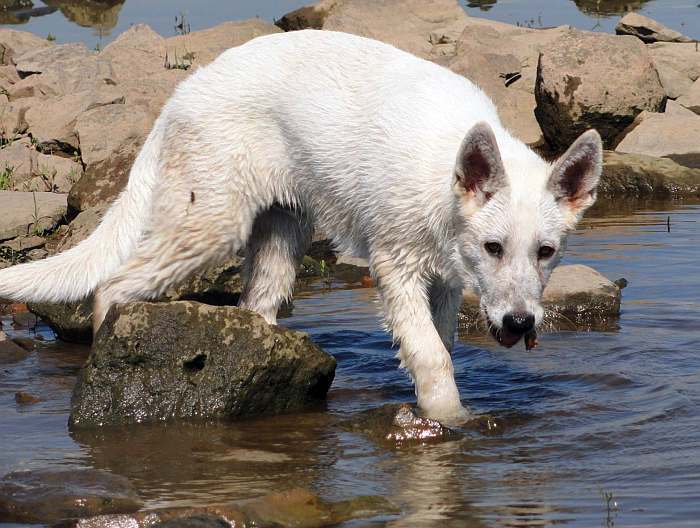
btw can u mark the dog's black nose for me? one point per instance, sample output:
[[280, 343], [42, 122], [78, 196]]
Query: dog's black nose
[[518, 322]]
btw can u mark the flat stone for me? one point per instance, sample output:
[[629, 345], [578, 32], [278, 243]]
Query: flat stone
[[648, 30], [52, 496], [10, 352], [30, 170], [660, 135], [576, 292], [638, 175], [675, 108], [26, 213], [15, 43], [161, 361], [678, 65], [691, 99], [24, 243], [110, 139]]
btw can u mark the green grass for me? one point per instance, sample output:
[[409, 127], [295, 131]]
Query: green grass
[[7, 178]]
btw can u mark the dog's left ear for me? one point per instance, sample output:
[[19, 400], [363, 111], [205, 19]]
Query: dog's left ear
[[575, 175]]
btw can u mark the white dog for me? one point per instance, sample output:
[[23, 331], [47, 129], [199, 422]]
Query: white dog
[[401, 161]]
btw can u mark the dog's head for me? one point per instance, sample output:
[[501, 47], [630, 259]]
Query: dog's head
[[513, 217]]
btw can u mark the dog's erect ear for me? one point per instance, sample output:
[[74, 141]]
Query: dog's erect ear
[[479, 168], [576, 173]]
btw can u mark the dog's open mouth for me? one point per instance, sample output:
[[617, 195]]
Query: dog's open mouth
[[508, 339]]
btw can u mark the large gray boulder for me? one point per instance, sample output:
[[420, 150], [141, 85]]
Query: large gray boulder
[[638, 175], [592, 80], [648, 30], [161, 361], [674, 136]]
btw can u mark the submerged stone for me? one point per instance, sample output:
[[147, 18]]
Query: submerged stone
[[297, 507], [52, 496], [160, 361], [397, 426]]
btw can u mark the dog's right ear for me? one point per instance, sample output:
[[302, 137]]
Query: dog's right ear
[[479, 168]]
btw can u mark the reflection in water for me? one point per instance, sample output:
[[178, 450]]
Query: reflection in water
[[20, 11], [483, 5], [609, 7], [102, 15]]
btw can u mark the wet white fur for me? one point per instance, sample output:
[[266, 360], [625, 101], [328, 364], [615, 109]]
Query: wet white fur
[[351, 135]]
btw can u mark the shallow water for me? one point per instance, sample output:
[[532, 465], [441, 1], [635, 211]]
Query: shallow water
[[97, 22], [586, 413]]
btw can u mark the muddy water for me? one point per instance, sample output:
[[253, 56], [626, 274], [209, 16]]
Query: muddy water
[[96, 23], [586, 416]]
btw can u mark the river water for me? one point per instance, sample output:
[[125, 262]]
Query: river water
[[598, 428], [97, 22]]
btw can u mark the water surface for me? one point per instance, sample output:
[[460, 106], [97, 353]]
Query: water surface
[[586, 414]]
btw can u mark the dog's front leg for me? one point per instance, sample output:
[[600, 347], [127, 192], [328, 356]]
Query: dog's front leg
[[422, 351]]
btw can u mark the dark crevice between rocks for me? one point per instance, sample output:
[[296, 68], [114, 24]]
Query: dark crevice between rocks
[[195, 364]]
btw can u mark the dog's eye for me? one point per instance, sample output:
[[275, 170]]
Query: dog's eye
[[545, 252], [494, 248]]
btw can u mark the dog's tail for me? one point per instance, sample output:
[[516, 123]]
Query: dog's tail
[[74, 274]]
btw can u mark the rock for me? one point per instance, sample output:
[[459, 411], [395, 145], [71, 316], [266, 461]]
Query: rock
[[10, 352], [154, 362], [26, 212], [678, 65], [52, 122], [51, 496], [199, 48], [37, 254], [428, 29], [397, 426], [24, 398], [676, 109], [24, 243], [61, 70], [648, 30], [691, 99], [72, 322], [512, 51], [637, 175], [307, 17], [593, 80], [80, 228], [15, 43], [138, 62], [30, 170], [578, 293], [110, 139], [658, 135], [295, 507], [218, 285]]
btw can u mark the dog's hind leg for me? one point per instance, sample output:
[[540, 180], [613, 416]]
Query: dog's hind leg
[[445, 300], [275, 249], [174, 248]]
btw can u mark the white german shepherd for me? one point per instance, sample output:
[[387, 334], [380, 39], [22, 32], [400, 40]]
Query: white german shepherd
[[401, 161]]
